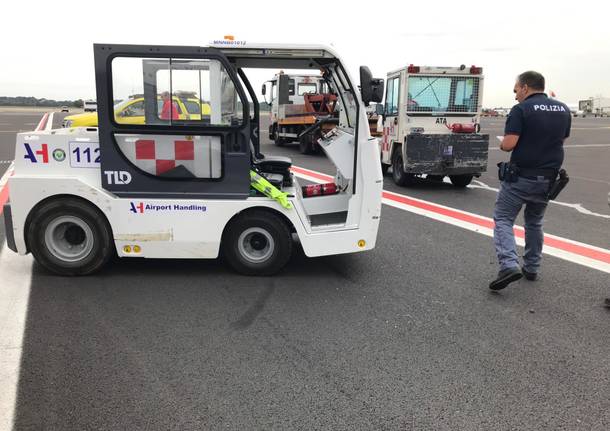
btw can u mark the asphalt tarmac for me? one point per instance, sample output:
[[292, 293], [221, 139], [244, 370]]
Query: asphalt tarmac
[[405, 337]]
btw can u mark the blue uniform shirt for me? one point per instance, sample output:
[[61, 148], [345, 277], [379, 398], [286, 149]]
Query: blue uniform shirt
[[542, 124]]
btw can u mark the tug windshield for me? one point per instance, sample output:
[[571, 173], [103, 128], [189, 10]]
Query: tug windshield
[[442, 94]]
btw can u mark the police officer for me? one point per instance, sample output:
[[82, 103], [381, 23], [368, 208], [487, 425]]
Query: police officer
[[535, 131]]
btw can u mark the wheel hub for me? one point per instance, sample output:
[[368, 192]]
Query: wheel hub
[[69, 238], [256, 245]]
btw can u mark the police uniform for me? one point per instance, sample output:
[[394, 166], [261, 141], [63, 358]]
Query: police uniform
[[542, 125]]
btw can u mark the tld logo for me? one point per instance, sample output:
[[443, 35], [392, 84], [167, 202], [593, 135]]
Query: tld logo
[[118, 177], [31, 155], [137, 208]]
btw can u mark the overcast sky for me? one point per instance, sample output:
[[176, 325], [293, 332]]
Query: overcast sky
[[47, 47]]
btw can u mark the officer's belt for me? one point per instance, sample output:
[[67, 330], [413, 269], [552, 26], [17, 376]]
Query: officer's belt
[[550, 174]]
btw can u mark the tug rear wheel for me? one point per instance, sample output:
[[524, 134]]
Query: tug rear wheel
[[70, 237]]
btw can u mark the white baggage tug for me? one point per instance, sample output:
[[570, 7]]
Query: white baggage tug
[[432, 122], [172, 187]]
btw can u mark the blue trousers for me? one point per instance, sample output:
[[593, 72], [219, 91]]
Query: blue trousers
[[512, 196]]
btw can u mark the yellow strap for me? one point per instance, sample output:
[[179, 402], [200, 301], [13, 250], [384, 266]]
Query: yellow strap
[[269, 190]]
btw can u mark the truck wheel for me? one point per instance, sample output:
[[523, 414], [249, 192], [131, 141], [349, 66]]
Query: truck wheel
[[305, 145], [400, 177], [460, 180], [279, 141], [257, 243], [70, 237]]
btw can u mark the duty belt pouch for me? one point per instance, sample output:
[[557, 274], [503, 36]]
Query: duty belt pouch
[[508, 172], [558, 185]]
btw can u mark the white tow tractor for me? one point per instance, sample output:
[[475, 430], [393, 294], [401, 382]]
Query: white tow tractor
[[173, 187], [431, 124], [297, 103]]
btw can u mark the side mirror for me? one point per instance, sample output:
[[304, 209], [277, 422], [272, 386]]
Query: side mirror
[[371, 88], [264, 92]]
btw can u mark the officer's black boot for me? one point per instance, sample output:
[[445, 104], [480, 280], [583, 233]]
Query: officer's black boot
[[531, 276], [505, 277]]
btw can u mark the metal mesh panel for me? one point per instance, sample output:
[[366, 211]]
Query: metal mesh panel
[[435, 93]]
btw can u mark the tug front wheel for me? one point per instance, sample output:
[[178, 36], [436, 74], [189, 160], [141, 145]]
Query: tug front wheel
[[257, 242], [70, 237]]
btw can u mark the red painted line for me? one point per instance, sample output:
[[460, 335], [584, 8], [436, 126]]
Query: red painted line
[[581, 250], [489, 223], [313, 174], [43, 122], [480, 221], [4, 194], [3, 197]]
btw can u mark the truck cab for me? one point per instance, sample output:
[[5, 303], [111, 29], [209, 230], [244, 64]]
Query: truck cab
[[89, 106], [297, 103], [431, 124]]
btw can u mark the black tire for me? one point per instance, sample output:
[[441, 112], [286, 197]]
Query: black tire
[[257, 235], [70, 237], [280, 142], [460, 180], [384, 169], [305, 145], [400, 177]]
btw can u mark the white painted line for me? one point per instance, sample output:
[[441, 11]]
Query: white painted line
[[487, 231], [590, 128], [571, 146], [42, 122], [593, 180], [50, 122], [6, 175], [16, 274], [578, 207]]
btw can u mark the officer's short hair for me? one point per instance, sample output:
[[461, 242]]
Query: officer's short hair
[[533, 80]]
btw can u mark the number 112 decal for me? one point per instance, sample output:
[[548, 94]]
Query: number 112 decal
[[84, 154]]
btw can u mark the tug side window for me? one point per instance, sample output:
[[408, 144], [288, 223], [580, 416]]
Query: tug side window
[[175, 93], [391, 97], [184, 92]]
